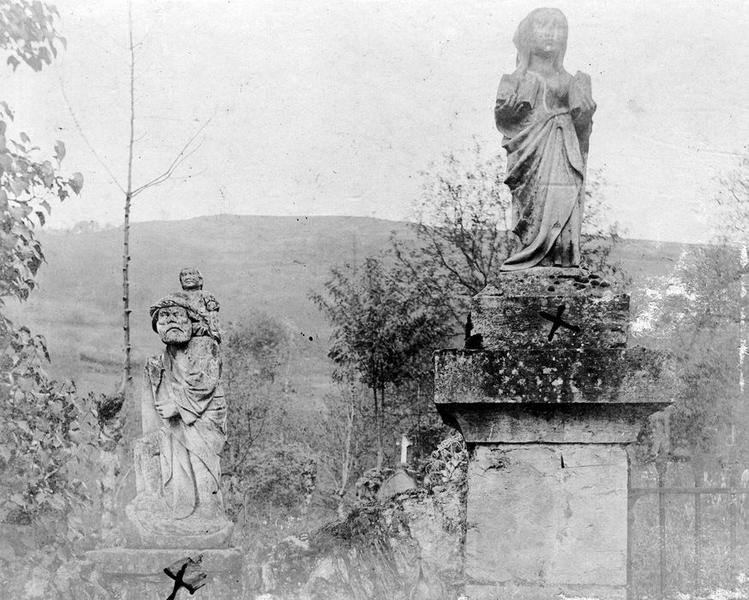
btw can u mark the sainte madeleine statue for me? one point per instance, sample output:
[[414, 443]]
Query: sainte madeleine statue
[[545, 116]]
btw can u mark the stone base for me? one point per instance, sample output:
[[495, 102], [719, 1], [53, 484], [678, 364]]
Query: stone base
[[561, 375], [547, 517], [537, 592], [547, 400], [137, 574], [149, 526], [510, 310]]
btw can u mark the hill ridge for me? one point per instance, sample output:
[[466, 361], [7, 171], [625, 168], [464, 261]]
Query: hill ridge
[[250, 262]]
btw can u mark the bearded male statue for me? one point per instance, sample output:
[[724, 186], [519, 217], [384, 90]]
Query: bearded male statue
[[177, 461]]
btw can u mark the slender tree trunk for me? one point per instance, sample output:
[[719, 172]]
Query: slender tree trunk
[[127, 376], [109, 455], [347, 454], [378, 426], [127, 367], [130, 192], [381, 426]]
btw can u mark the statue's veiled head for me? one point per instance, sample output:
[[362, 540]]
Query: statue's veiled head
[[172, 318], [544, 32], [190, 279]]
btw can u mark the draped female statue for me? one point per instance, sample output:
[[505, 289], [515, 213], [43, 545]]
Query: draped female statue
[[545, 115]]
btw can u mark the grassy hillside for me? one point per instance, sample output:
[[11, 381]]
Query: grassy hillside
[[250, 263]]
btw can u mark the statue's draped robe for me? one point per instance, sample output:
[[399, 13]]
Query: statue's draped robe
[[190, 443], [546, 154]]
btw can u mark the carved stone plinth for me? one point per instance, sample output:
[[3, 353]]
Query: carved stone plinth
[[547, 408], [509, 310], [545, 519], [135, 574]]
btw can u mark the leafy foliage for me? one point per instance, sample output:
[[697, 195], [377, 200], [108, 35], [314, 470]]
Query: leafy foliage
[[43, 435], [27, 181], [732, 200], [26, 187], [254, 354], [280, 475], [699, 325], [48, 432], [381, 326], [27, 32], [449, 462], [259, 469], [599, 235], [28, 445], [463, 233], [345, 440], [462, 236], [382, 329]]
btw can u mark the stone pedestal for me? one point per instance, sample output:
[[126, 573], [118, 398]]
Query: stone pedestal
[[547, 416], [136, 574], [150, 523]]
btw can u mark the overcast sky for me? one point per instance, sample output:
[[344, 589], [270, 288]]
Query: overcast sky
[[333, 107]]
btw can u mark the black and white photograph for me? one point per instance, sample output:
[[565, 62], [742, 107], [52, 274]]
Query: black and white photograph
[[374, 300]]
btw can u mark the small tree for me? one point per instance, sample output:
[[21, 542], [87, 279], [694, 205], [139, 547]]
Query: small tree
[[342, 444], [731, 219], [130, 189], [698, 324], [32, 452], [699, 321], [382, 329], [462, 235], [463, 230], [256, 355]]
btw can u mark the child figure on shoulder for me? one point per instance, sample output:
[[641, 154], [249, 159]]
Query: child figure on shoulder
[[204, 303]]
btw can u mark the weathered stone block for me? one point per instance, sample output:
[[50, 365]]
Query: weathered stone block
[[512, 591], [519, 310], [548, 517], [547, 375], [516, 423], [134, 574]]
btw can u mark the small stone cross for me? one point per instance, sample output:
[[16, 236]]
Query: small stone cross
[[405, 443], [557, 321]]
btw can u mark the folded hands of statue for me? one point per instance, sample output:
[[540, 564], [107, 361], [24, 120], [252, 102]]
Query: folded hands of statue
[[516, 94], [165, 408], [581, 97]]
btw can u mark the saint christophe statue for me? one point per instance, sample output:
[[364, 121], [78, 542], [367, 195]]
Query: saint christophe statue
[[545, 116], [183, 409]]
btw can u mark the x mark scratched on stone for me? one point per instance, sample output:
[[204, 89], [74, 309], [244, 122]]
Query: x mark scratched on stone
[[557, 321], [188, 574]]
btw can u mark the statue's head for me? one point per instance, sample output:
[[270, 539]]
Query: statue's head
[[172, 318], [190, 279], [543, 32]]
